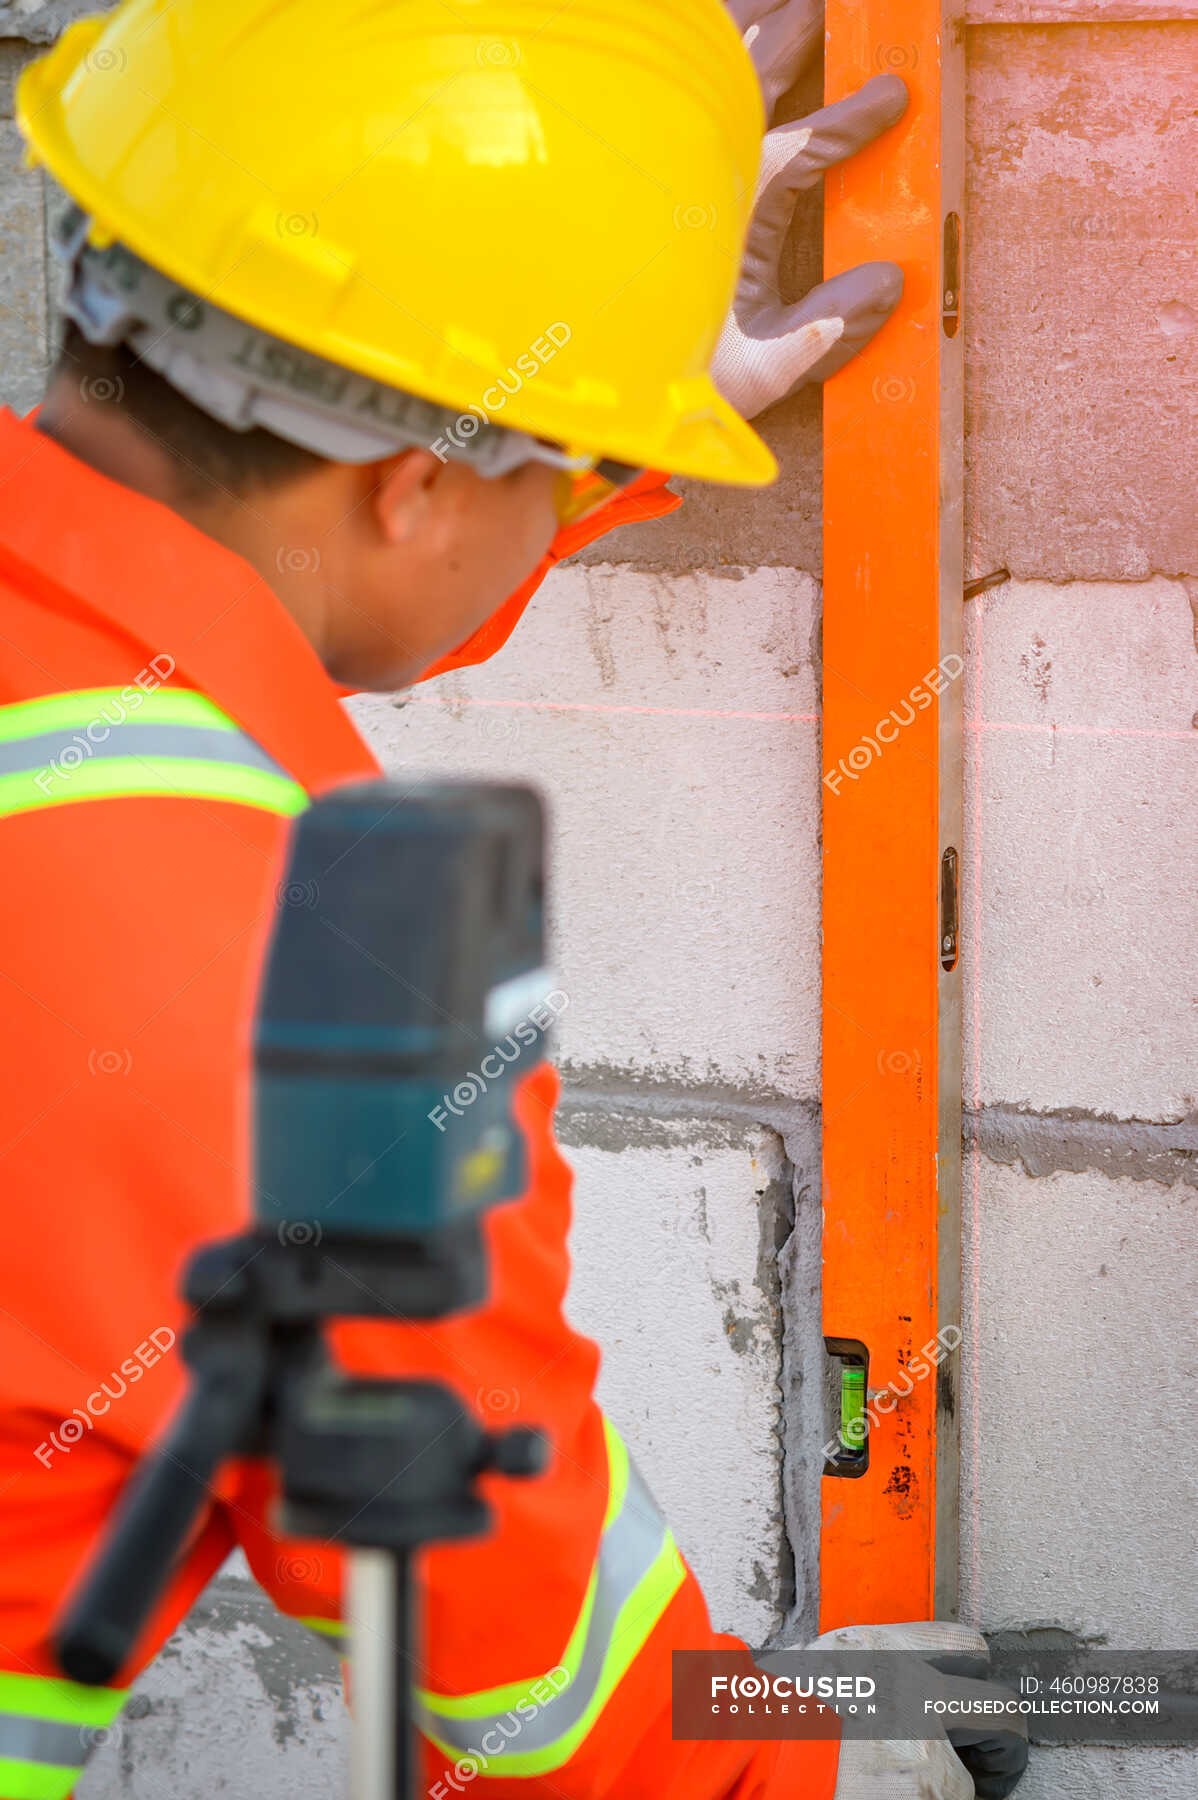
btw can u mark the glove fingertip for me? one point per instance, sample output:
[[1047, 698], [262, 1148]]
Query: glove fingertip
[[888, 282], [889, 93]]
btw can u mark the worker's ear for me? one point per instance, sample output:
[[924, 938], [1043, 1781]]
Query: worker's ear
[[403, 493]]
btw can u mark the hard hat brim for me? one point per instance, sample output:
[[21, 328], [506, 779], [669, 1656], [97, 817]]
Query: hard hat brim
[[718, 446], [688, 430]]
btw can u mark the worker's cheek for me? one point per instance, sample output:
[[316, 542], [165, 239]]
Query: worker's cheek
[[520, 523], [497, 540], [472, 550]]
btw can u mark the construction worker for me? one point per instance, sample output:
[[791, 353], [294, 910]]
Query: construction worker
[[371, 319]]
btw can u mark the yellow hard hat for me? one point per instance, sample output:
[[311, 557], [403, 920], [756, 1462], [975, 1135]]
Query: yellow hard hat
[[527, 211]]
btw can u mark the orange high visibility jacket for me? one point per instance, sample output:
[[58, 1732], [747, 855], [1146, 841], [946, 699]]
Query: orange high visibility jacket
[[161, 720]]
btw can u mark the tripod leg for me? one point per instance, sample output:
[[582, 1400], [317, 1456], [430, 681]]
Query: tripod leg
[[166, 1494], [382, 1760], [406, 1753]]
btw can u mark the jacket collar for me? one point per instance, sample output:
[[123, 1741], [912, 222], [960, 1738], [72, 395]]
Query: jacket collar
[[71, 531]]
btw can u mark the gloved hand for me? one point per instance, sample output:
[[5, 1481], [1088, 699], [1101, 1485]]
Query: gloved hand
[[780, 36], [957, 1763], [768, 349]]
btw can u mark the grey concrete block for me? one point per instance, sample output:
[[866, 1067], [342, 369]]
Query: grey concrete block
[[41, 21], [24, 347], [13, 57], [1080, 1502], [1076, 12], [1080, 908], [672, 725], [1089, 1772], [678, 1226], [240, 1701], [1082, 301]]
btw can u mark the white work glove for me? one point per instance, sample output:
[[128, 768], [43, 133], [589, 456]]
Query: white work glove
[[957, 1763], [769, 349], [781, 36]]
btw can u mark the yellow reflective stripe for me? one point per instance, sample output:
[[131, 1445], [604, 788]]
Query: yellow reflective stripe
[[47, 1730], [132, 777], [617, 1470], [86, 706], [34, 1781], [66, 1702], [625, 1599], [637, 1621], [501, 1699], [637, 1573], [331, 1632], [488, 1701], [123, 743], [334, 1628]]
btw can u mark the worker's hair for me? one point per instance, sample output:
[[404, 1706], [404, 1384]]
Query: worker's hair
[[206, 455]]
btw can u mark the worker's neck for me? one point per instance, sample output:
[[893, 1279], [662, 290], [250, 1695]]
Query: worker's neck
[[109, 443], [112, 445]]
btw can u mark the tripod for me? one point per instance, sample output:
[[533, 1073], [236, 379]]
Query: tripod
[[442, 887]]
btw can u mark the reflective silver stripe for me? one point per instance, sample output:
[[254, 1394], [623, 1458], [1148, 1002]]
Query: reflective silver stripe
[[629, 1548], [133, 738], [45, 1741]]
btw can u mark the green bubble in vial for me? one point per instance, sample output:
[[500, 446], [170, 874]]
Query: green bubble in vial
[[852, 1408]]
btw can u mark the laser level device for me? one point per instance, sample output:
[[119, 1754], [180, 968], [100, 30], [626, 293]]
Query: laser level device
[[409, 937]]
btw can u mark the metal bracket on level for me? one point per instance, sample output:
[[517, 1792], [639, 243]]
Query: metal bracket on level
[[892, 826]]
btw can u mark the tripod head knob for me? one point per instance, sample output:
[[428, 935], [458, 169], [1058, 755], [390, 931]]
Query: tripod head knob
[[520, 1453]]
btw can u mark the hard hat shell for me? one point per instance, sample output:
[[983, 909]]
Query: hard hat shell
[[524, 210]]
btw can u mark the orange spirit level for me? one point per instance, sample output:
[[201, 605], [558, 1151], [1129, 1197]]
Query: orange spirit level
[[892, 820]]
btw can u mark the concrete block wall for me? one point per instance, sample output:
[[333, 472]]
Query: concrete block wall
[[664, 692], [671, 722], [1082, 1011]]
